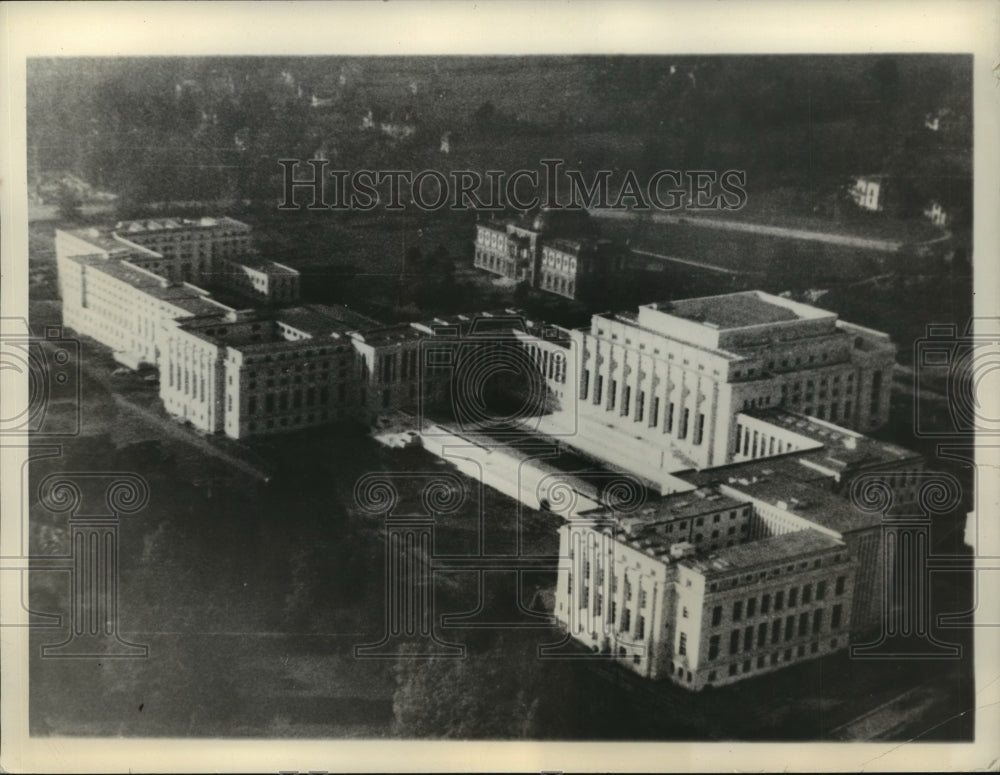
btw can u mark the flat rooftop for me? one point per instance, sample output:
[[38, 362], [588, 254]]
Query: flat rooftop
[[263, 264], [102, 240], [787, 484], [735, 310], [324, 319], [842, 448], [149, 225], [386, 335], [677, 506], [809, 500], [179, 295], [775, 549]]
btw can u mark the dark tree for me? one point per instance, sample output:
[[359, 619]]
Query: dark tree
[[481, 696], [69, 203]]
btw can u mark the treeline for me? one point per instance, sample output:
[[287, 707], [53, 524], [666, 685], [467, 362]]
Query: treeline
[[160, 129]]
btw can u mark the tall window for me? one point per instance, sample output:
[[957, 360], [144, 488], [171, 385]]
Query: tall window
[[682, 644], [699, 428]]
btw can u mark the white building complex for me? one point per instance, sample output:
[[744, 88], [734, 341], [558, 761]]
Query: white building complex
[[672, 386], [740, 570], [741, 415], [225, 369]]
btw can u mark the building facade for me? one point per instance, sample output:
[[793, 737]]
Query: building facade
[[555, 251], [749, 571], [259, 279], [187, 249], [249, 375], [661, 390], [126, 307], [579, 269], [869, 192]]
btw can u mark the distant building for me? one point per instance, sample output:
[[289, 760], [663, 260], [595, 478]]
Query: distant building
[[579, 268], [936, 214], [553, 251], [869, 192], [936, 120], [390, 125]]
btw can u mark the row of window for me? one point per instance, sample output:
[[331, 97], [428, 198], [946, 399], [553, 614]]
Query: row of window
[[491, 262], [683, 424], [781, 629], [558, 284], [765, 660], [751, 578], [557, 260], [293, 422], [755, 444], [407, 363], [295, 399], [281, 356], [791, 362], [749, 608], [191, 385], [656, 351], [551, 364]]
